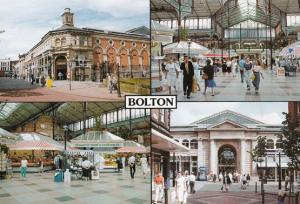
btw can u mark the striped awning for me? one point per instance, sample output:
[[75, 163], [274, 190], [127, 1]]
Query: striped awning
[[36, 145], [139, 150]]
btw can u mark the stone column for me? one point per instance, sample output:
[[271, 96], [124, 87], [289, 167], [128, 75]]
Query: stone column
[[200, 159], [243, 156], [213, 157]]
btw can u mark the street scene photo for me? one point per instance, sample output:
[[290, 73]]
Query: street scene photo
[[226, 152], [74, 50], [74, 152], [226, 50]]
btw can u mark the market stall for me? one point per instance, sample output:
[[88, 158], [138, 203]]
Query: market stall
[[217, 53], [184, 48], [36, 148], [104, 145]]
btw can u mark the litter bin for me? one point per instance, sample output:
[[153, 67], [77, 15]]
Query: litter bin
[[59, 175]]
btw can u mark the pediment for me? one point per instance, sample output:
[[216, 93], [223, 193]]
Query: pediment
[[227, 125]]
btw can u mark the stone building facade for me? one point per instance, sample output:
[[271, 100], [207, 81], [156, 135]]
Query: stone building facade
[[222, 142], [87, 53]]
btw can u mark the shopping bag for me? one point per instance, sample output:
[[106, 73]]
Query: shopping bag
[[185, 197], [194, 86], [252, 78]]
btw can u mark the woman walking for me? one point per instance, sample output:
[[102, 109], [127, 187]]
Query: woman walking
[[172, 75], [144, 164], [257, 74], [209, 77], [196, 72], [23, 167], [180, 187]]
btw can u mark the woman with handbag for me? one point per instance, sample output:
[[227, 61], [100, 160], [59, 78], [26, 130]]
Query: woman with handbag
[[208, 76], [196, 72], [257, 75]]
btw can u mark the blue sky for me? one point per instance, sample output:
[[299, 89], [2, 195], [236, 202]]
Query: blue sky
[[26, 21], [267, 112]]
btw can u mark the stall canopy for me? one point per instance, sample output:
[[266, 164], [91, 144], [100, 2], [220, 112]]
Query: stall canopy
[[35, 141], [102, 140], [183, 48], [132, 147], [7, 137], [291, 50]]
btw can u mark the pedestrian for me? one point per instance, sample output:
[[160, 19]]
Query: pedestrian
[[214, 178], [86, 168], [180, 188], [41, 164], [224, 67], [159, 187], [208, 76], [286, 181], [56, 161], [32, 79], [228, 182], [188, 73], [244, 182], [23, 167], [221, 177], [119, 164], [257, 75], [229, 66], [196, 72], [109, 83], [172, 75], [281, 197], [235, 68], [224, 183], [248, 179], [192, 180], [131, 162], [241, 66], [43, 81], [248, 72], [144, 164]]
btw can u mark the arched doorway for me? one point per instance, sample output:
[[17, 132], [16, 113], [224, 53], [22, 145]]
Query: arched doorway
[[145, 58], [124, 60], [227, 159], [61, 68], [97, 69]]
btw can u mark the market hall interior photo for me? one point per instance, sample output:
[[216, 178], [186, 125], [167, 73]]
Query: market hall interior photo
[[239, 50], [74, 153]]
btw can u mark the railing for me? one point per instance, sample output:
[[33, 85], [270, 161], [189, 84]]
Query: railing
[[268, 197]]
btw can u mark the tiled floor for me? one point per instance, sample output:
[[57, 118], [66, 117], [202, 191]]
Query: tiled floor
[[112, 188], [229, 88]]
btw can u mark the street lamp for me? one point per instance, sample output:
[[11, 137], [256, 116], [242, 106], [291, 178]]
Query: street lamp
[[119, 88], [65, 135], [189, 47]]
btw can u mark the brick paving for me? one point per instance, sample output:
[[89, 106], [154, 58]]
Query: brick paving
[[17, 90]]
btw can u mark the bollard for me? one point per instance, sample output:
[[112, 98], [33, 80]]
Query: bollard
[[255, 186], [263, 197]]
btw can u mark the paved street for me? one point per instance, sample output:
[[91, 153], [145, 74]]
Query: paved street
[[19, 90], [112, 188], [229, 88]]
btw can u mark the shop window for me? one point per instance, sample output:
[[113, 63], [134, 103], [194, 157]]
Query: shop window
[[186, 143], [278, 144], [270, 144]]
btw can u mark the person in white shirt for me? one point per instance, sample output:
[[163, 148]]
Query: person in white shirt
[[86, 168], [23, 167], [144, 164], [131, 163], [180, 188], [192, 180]]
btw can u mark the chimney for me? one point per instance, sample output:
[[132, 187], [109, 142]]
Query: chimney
[[67, 17]]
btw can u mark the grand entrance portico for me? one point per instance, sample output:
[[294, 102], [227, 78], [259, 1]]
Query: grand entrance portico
[[222, 142]]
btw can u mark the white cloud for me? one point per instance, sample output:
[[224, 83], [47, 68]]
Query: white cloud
[[25, 22]]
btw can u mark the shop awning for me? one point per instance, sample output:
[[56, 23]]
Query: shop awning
[[132, 147], [183, 48], [165, 143], [35, 141]]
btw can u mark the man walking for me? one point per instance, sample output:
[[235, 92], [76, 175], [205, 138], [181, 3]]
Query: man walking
[[242, 68], [131, 162], [192, 179], [188, 73], [248, 72]]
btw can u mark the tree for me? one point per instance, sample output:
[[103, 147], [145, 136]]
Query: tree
[[98, 123], [258, 153], [290, 143], [124, 132], [183, 34]]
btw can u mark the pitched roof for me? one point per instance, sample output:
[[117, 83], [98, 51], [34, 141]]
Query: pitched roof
[[227, 115], [140, 30]]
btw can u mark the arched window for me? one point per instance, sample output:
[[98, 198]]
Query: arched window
[[278, 144], [63, 41], [186, 143], [194, 144], [57, 42], [270, 144]]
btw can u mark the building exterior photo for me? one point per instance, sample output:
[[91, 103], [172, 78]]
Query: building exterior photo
[[222, 142], [5, 65], [86, 53]]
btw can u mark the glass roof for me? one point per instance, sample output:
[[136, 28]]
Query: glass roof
[[14, 114], [101, 136], [227, 115]]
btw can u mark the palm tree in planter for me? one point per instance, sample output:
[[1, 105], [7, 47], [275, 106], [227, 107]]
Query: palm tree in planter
[[124, 132]]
